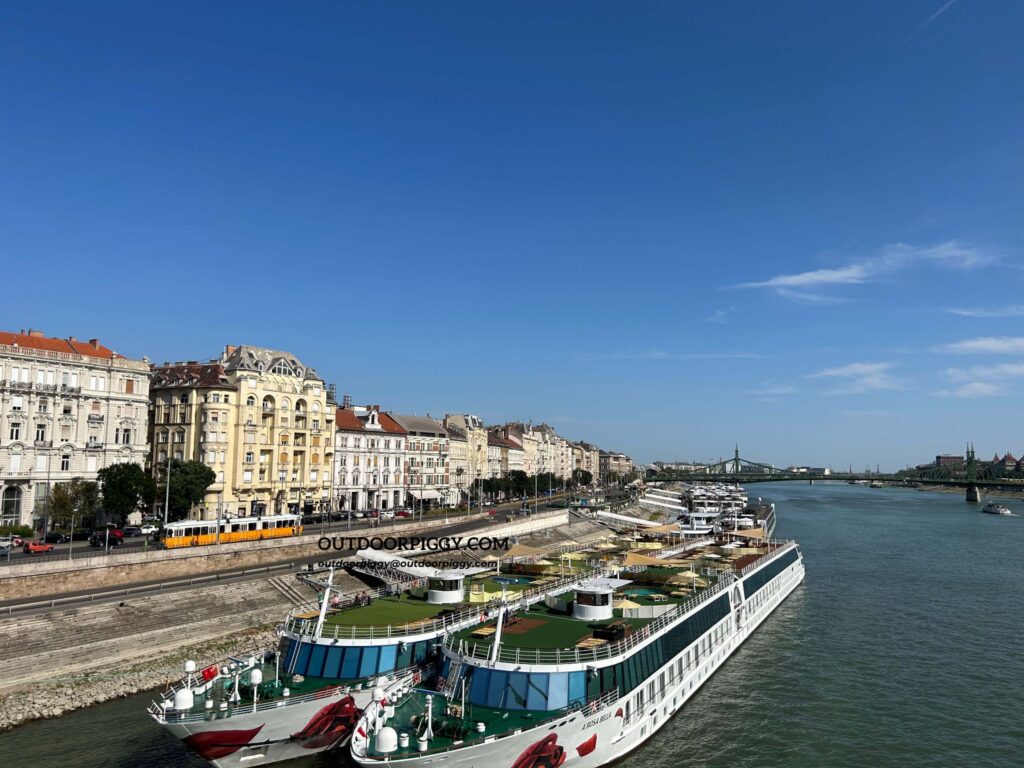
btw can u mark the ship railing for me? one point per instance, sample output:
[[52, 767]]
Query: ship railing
[[587, 708], [483, 651], [777, 547], [305, 627], [243, 708]]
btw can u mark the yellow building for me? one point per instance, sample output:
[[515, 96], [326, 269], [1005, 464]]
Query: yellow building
[[259, 418]]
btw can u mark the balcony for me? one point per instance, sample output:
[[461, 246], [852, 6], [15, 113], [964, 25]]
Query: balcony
[[92, 446], [95, 418], [43, 443]]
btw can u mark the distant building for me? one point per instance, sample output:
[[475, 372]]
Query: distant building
[[426, 461], [259, 418], [68, 408], [369, 451], [948, 460]]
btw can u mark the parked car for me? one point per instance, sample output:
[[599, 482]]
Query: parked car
[[132, 531], [17, 540], [56, 537], [102, 537], [148, 529], [36, 547], [387, 514], [402, 513], [6, 543]]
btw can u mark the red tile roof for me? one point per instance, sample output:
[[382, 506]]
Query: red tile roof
[[346, 418], [390, 425], [71, 345]]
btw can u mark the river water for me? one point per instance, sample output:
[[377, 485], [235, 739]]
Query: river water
[[901, 649]]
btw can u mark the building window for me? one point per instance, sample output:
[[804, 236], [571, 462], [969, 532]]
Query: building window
[[65, 463], [40, 432], [249, 457], [11, 506], [15, 430]]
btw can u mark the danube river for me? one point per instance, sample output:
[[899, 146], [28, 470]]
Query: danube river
[[901, 649]]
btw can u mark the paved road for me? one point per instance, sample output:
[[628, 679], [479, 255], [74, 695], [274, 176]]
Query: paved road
[[316, 555]]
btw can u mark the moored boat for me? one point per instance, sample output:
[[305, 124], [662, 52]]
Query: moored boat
[[589, 675]]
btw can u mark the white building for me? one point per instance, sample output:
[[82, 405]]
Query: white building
[[426, 462], [68, 408], [369, 455]]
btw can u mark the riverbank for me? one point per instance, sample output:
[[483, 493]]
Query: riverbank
[[53, 698], [985, 493]]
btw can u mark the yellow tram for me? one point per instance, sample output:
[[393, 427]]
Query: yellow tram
[[197, 533]]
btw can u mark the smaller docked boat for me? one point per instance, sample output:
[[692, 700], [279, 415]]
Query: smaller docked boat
[[996, 509]]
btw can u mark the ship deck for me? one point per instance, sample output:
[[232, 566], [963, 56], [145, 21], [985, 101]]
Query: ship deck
[[452, 730]]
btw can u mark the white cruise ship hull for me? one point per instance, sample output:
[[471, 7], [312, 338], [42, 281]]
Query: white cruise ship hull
[[295, 729], [587, 739]]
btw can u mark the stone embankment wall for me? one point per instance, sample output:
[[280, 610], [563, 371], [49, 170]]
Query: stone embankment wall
[[54, 577], [54, 698]]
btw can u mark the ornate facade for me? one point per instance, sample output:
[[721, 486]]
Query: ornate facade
[[369, 450], [68, 408], [259, 418]]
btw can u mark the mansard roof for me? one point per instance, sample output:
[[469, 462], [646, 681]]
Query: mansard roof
[[249, 358], [191, 375], [419, 425]]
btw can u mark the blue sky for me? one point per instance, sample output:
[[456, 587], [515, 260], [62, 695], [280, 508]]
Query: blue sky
[[663, 227]]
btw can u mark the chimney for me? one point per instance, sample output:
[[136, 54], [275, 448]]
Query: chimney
[[228, 349], [34, 332], [70, 338], [94, 343]]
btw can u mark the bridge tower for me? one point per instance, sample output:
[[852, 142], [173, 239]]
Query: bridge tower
[[971, 466], [735, 464]]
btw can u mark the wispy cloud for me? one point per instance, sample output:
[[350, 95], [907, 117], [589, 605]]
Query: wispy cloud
[[719, 316], [770, 390], [1014, 310], [981, 380], [973, 389], [931, 18], [985, 345], [660, 354], [858, 378], [891, 258]]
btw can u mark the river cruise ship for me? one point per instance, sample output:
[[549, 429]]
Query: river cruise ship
[[588, 674], [305, 696]]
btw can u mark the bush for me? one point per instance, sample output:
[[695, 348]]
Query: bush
[[16, 530]]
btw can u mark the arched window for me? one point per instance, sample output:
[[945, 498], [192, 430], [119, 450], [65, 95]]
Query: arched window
[[315, 458], [286, 404], [316, 407], [11, 505], [250, 400], [249, 457]]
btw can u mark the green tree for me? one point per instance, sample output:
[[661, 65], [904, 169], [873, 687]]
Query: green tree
[[126, 487], [582, 477], [189, 481], [75, 502]]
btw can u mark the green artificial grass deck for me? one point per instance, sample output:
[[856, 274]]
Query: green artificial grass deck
[[385, 611], [553, 631]]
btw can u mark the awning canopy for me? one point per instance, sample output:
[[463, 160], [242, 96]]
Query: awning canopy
[[425, 495], [521, 550], [750, 533]]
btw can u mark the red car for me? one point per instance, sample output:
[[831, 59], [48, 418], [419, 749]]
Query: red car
[[36, 547]]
